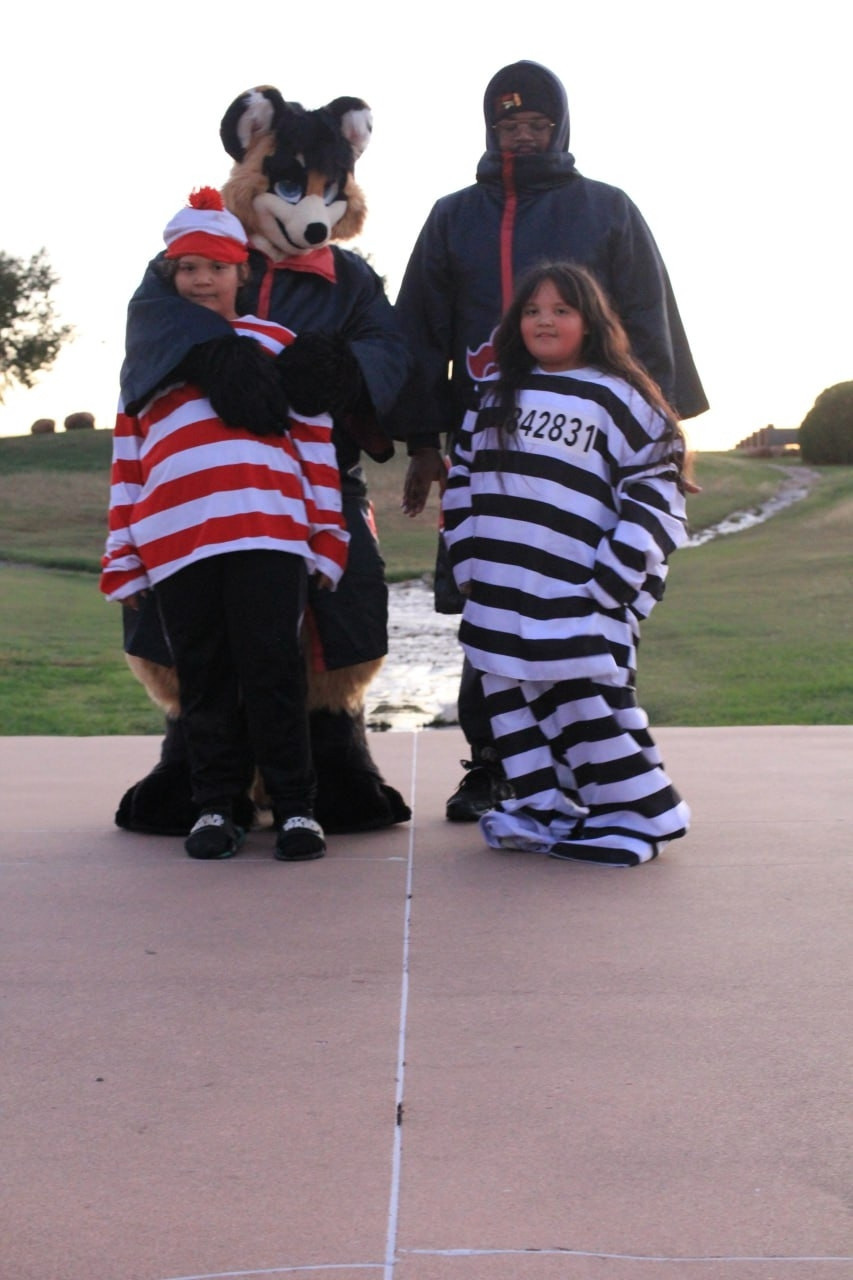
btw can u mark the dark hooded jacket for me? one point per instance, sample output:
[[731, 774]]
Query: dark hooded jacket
[[521, 211]]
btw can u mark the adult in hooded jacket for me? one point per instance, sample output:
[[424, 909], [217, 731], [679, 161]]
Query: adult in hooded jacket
[[529, 204]]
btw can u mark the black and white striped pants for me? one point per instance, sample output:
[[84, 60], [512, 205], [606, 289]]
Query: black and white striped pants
[[588, 779]]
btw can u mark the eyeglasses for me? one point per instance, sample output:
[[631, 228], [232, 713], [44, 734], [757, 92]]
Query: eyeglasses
[[512, 128]]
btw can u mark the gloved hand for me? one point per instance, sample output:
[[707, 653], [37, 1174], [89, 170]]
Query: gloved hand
[[320, 374], [241, 382]]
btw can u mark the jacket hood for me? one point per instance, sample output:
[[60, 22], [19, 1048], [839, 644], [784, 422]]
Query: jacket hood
[[537, 89]]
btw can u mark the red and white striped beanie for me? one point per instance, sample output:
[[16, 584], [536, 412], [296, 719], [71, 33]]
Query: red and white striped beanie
[[206, 227]]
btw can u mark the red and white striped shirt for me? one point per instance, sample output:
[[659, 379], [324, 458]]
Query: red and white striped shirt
[[184, 486]]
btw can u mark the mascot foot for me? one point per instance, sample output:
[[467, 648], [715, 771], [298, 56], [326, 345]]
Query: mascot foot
[[161, 803], [351, 792]]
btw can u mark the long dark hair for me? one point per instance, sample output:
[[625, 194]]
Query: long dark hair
[[606, 346]]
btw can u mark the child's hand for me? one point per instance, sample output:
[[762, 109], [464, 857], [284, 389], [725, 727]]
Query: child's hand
[[135, 601], [323, 581], [465, 589]]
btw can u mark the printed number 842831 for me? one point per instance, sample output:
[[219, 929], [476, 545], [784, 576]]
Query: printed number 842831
[[541, 424]]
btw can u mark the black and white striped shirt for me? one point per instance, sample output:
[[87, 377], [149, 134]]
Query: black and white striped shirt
[[564, 533]]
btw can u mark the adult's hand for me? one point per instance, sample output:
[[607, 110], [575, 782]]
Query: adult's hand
[[425, 466]]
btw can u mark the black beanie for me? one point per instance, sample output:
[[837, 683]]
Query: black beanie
[[523, 86]]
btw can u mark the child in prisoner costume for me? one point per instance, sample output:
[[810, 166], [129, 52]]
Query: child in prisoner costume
[[564, 501], [292, 186], [224, 525]]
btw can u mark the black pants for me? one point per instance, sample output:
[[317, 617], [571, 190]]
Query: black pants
[[233, 625], [473, 717]]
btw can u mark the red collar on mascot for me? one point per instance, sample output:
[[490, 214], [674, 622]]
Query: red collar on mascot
[[320, 262]]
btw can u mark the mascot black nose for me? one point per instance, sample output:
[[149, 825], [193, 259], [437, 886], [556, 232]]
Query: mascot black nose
[[316, 232]]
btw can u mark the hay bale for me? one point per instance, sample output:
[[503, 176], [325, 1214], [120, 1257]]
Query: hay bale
[[80, 422]]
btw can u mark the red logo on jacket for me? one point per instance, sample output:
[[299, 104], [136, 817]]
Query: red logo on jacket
[[481, 363]]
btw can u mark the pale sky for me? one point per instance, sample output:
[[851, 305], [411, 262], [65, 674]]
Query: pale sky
[[728, 125]]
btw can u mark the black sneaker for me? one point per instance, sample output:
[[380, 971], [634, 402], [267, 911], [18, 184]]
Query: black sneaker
[[483, 787], [214, 836], [299, 840]]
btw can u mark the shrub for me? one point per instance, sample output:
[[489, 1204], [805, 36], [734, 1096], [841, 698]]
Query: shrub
[[826, 432]]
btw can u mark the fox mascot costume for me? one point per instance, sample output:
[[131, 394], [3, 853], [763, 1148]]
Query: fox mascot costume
[[292, 187]]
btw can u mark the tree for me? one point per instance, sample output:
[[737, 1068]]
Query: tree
[[826, 432], [30, 336]]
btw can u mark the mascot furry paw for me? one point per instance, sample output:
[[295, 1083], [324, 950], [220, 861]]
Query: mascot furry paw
[[292, 186]]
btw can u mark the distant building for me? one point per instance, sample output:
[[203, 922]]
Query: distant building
[[770, 441]]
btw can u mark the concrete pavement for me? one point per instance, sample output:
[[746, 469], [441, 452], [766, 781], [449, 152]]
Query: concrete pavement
[[418, 1059]]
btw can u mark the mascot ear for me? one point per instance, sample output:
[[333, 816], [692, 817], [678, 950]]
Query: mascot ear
[[355, 121], [254, 114]]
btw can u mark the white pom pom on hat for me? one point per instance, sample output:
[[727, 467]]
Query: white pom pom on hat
[[205, 227]]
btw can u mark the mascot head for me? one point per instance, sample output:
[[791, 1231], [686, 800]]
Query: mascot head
[[292, 183]]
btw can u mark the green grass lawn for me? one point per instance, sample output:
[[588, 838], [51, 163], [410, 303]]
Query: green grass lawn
[[62, 670], [54, 491], [756, 628]]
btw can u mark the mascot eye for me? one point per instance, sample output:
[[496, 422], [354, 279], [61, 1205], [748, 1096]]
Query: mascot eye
[[290, 189], [330, 194]]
